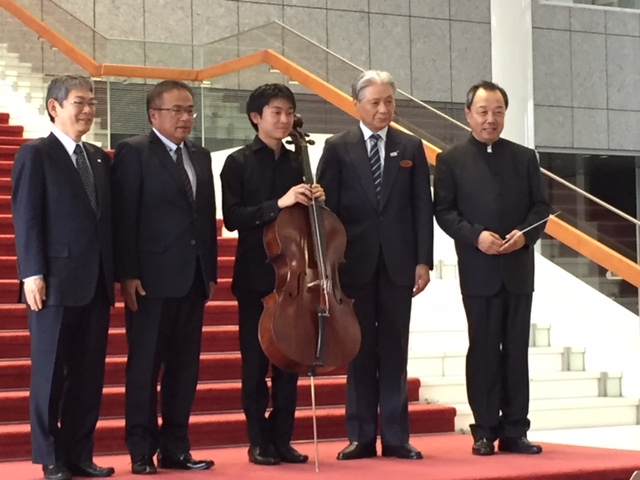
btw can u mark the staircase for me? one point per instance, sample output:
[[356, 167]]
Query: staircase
[[564, 391], [216, 419], [602, 224], [23, 93]]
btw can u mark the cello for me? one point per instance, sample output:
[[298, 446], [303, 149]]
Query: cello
[[307, 325]]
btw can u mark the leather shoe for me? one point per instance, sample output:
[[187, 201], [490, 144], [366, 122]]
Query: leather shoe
[[356, 450], [90, 470], [518, 445], [483, 448], [56, 472], [263, 455], [288, 454], [183, 461], [143, 466], [406, 451]]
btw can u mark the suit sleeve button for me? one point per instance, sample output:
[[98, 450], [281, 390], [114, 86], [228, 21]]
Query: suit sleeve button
[[193, 242]]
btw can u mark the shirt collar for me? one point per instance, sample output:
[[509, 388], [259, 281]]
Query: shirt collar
[[168, 143], [68, 143], [258, 144], [484, 146], [367, 133]]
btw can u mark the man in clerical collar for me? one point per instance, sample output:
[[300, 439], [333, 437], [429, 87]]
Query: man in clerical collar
[[488, 191]]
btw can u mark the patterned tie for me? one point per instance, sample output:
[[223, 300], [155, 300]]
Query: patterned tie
[[86, 176], [184, 176], [376, 164]]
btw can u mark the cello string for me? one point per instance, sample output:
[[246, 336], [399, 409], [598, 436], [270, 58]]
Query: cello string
[[320, 254]]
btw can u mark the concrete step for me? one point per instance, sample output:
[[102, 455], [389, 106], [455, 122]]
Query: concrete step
[[451, 363], [437, 340], [14, 66], [570, 413], [543, 386], [36, 80], [12, 100]]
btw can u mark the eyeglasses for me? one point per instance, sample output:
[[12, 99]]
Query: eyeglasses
[[179, 111], [81, 104]]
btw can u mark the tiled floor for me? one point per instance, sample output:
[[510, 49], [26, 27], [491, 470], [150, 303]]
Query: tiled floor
[[625, 438]]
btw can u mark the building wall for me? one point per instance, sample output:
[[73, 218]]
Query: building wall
[[586, 59], [434, 48], [586, 78]]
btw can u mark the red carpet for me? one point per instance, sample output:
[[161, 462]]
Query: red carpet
[[447, 457], [216, 419]]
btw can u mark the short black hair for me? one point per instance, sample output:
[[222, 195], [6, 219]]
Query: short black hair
[[489, 87], [156, 93], [263, 95]]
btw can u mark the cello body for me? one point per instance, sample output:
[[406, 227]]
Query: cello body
[[307, 324]]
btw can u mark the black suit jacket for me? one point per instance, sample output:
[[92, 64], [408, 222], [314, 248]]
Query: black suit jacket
[[58, 235], [159, 236], [500, 191], [400, 223]]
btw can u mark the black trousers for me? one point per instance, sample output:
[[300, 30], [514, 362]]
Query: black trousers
[[377, 376], [497, 365], [68, 349], [278, 427], [164, 333]]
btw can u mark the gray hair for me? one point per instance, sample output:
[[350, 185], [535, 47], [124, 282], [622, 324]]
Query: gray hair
[[368, 78], [61, 86]]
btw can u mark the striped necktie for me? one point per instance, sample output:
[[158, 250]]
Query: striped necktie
[[86, 176], [376, 164]]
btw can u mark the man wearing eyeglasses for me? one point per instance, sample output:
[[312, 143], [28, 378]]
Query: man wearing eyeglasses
[[166, 263], [61, 204]]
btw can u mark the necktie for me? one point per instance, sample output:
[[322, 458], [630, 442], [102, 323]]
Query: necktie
[[86, 176], [376, 164], [184, 176]]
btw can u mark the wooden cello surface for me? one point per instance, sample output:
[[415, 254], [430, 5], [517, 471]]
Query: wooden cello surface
[[307, 324]]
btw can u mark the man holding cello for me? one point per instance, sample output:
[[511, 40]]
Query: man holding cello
[[376, 180], [258, 181]]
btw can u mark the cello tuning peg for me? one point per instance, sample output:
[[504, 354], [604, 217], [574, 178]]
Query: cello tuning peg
[[311, 142]]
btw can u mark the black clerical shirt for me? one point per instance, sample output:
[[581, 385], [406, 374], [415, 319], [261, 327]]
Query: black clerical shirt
[[253, 180]]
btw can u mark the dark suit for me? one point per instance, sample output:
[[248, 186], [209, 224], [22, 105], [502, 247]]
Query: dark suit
[[59, 236], [170, 244], [498, 191], [386, 240]]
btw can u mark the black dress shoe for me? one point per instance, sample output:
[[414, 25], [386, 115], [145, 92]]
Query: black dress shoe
[[56, 472], [356, 450], [288, 454], [406, 451], [518, 445], [143, 466], [183, 462], [90, 470], [483, 448], [261, 455]]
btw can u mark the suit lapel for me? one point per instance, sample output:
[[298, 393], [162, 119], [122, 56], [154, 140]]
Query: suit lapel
[[159, 150], [62, 160], [392, 156], [357, 153]]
